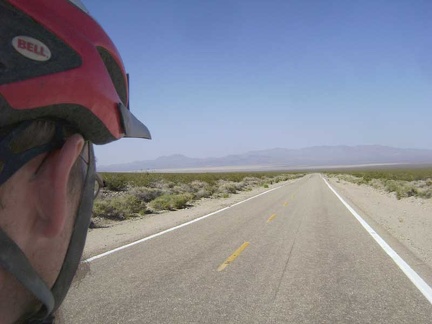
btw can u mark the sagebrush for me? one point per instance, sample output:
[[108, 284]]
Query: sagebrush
[[132, 194], [402, 182]]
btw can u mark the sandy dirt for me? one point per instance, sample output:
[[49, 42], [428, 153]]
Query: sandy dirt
[[408, 220]]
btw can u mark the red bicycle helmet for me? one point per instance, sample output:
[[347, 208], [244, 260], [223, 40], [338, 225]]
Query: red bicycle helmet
[[56, 62]]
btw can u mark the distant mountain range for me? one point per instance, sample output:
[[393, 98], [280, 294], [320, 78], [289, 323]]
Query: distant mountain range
[[282, 158]]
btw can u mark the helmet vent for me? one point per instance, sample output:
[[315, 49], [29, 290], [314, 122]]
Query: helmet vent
[[115, 72]]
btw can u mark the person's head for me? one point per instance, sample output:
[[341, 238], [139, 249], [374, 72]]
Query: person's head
[[62, 88]]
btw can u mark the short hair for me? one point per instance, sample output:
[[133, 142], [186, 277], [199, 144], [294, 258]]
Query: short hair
[[40, 132]]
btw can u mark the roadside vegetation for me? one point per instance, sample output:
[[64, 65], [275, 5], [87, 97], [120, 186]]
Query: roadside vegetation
[[402, 182], [129, 195]]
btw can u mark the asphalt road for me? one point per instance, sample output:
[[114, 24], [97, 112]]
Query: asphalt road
[[294, 255]]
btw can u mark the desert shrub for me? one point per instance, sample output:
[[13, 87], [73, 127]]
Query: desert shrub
[[161, 203], [412, 174], [163, 185], [347, 177], [115, 182], [182, 188], [146, 194], [198, 184], [181, 201], [252, 181], [363, 181], [402, 182], [203, 193], [285, 177], [226, 187], [402, 189], [427, 194], [119, 208], [171, 202], [201, 189], [155, 180], [278, 179], [173, 191], [411, 191], [392, 186], [245, 186], [242, 185], [376, 183], [266, 180]]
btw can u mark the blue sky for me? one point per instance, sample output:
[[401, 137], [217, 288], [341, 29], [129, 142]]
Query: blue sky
[[211, 78]]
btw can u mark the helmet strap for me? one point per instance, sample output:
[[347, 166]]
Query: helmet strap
[[78, 237], [13, 260]]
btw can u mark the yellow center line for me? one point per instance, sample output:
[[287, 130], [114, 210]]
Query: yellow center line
[[233, 256], [285, 203], [271, 218]]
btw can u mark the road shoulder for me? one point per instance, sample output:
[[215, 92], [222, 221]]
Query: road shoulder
[[405, 224]]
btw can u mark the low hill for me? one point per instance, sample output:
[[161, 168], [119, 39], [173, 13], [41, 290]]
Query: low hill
[[282, 158]]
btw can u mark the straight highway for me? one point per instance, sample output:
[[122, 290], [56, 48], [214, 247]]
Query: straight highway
[[293, 255]]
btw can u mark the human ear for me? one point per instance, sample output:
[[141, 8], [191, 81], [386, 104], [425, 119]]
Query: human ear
[[51, 184]]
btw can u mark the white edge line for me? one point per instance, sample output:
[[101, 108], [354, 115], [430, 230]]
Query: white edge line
[[421, 285], [176, 227]]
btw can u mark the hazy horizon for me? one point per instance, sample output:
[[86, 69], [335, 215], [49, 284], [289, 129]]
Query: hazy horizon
[[212, 79], [283, 158], [146, 157]]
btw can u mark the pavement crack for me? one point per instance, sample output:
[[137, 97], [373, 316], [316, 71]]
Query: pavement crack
[[285, 268]]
